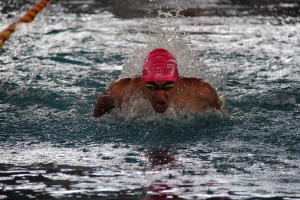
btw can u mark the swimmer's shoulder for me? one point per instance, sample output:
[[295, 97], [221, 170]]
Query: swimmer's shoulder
[[197, 86], [117, 88], [136, 82], [126, 81], [120, 86], [192, 82], [201, 90]]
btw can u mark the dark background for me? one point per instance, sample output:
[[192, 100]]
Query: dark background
[[142, 8]]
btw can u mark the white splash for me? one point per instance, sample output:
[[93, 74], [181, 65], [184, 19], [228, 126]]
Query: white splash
[[162, 32]]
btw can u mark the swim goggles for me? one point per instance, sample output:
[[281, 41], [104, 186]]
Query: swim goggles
[[167, 87]]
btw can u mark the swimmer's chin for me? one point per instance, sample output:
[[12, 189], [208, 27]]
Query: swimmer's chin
[[160, 108], [160, 111]]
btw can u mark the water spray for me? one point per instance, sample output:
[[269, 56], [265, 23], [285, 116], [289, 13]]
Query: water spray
[[27, 18]]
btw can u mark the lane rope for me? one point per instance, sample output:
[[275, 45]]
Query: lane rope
[[27, 18]]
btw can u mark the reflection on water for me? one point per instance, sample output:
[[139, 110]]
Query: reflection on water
[[49, 181], [160, 157], [52, 181]]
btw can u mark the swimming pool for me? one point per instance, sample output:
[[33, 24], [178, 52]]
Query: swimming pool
[[53, 69]]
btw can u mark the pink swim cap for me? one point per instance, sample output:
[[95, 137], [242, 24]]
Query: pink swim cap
[[160, 65]]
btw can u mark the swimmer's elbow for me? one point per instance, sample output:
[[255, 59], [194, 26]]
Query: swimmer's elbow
[[215, 102], [97, 115], [99, 112], [103, 106], [218, 104]]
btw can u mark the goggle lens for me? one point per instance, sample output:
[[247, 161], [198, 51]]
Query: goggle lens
[[167, 87]]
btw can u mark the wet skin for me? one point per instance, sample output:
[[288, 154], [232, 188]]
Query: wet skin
[[189, 93]]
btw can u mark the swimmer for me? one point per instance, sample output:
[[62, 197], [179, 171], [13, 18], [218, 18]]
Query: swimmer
[[161, 85]]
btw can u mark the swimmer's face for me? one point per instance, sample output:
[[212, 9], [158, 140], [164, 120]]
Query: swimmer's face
[[160, 94]]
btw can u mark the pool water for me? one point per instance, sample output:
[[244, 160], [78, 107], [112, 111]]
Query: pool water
[[53, 70]]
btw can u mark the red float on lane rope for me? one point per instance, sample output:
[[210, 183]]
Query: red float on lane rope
[[27, 18]]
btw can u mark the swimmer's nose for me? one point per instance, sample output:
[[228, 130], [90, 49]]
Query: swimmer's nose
[[160, 94]]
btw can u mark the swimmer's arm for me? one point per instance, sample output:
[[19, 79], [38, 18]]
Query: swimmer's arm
[[210, 96], [111, 97], [215, 101], [104, 105]]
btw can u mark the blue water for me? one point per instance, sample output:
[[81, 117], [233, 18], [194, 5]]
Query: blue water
[[53, 69]]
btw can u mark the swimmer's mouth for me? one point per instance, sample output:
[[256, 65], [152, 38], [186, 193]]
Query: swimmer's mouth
[[160, 103], [160, 106]]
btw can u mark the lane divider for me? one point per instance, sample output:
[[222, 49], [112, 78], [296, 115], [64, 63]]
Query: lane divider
[[27, 18]]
